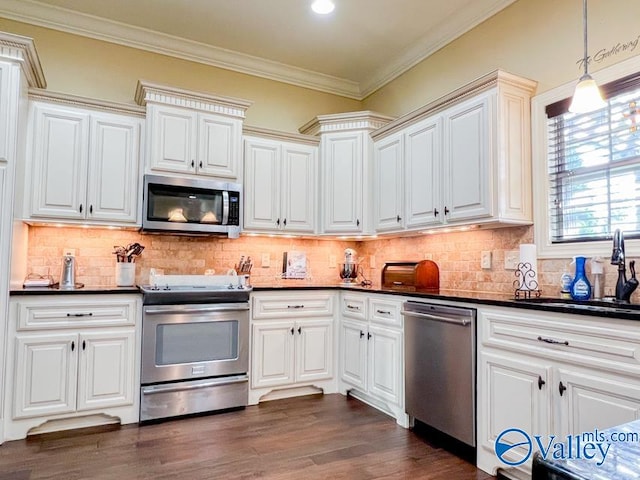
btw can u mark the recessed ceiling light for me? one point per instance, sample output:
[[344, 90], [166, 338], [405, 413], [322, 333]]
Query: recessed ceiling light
[[323, 7]]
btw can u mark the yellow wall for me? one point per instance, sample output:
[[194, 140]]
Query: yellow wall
[[538, 39], [92, 68]]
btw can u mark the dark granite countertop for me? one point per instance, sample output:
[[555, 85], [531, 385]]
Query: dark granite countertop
[[590, 308], [597, 309], [620, 462]]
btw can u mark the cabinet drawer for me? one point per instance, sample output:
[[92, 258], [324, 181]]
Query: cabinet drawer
[[606, 343], [86, 312], [385, 312], [354, 306], [294, 306]]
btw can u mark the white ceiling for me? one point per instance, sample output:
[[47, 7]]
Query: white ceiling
[[353, 51]]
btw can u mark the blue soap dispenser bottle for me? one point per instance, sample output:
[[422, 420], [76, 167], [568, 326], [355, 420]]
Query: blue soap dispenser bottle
[[580, 287]]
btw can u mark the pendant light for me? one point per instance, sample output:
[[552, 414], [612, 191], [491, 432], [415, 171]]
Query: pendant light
[[587, 96]]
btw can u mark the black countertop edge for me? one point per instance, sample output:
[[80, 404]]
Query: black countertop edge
[[86, 290], [627, 312]]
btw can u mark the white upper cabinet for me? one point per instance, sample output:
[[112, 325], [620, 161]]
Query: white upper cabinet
[[344, 182], [422, 156], [192, 133], [280, 183], [466, 159], [83, 165], [346, 155], [388, 183]]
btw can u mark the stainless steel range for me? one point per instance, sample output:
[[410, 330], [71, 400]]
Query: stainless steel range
[[195, 345]]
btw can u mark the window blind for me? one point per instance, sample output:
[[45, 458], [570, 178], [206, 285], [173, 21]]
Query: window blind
[[594, 169]]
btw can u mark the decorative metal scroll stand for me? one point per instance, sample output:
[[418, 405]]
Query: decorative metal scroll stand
[[525, 283]]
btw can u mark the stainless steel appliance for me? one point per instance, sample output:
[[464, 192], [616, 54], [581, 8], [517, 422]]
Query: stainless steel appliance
[[350, 269], [195, 347], [440, 368], [191, 206], [68, 272]]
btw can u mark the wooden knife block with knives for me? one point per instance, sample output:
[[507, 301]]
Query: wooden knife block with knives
[[422, 276]]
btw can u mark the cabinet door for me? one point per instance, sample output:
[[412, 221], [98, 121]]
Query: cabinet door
[[353, 354], [314, 350], [592, 401], [106, 371], [45, 374], [514, 392], [273, 354], [219, 144], [423, 174], [262, 185], [172, 138], [60, 156], [113, 168], [467, 159], [389, 183], [342, 157], [385, 364], [299, 188]]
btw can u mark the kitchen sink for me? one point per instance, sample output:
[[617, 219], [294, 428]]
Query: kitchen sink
[[593, 305]]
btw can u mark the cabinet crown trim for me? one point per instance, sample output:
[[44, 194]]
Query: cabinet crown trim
[[497, 78], [85, 102], [364, 120], [147, 92], [278, 135], [17, 48]]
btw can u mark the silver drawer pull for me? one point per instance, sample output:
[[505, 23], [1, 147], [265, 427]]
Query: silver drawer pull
[[80, 314], [353, 307], [398, 283], [295, 306], [555, 342], [383, 312]]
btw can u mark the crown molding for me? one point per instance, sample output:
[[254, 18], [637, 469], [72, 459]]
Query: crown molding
[[147, 92], [57, 18], [341, 122], [21, 49], [433, 41], [248, 130], [85, 102], [68, 21]]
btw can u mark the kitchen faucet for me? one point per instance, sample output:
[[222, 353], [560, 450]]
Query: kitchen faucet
[[624, 287]]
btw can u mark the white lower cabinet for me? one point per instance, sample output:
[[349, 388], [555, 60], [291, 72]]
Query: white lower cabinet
[[292, 342], [552, 374], [371, 359], [290, 352], [75, 362]]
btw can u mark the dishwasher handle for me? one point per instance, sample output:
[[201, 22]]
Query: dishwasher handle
[[430, 316]]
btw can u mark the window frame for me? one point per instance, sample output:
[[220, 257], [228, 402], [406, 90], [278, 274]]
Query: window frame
[[541, 226]]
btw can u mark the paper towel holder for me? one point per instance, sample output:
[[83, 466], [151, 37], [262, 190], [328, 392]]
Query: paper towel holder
[[526, 282]]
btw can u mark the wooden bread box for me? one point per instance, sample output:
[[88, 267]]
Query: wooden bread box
[[422, 276]]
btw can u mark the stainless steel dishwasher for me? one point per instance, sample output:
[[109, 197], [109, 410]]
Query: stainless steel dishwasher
[[440, 368]]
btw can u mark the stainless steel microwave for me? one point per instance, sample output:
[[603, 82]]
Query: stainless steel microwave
[[195, 206]]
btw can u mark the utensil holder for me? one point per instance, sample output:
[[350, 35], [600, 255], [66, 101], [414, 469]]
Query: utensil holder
[[125, 274]]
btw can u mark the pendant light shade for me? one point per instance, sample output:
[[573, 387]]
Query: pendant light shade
[[587, 96]]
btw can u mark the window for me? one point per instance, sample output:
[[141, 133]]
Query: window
[[593, 163]]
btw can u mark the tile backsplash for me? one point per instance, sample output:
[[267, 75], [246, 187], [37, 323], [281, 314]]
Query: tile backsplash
[[456, 253]]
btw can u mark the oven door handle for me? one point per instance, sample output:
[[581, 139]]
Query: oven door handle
[[207, 309], [177, 387]]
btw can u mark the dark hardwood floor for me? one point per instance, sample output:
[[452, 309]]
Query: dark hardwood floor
[[314, 437]]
